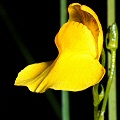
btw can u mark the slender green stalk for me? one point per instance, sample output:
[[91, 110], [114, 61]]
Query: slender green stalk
[[110, 80], [63, 11], [112, 107], [28, 57], [65, 94], [65, 105], [110, 92], [112, 45], [97, 98], [95, 112]]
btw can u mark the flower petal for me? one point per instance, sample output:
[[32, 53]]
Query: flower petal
[[32, 75], [76, 37], [85, 15], [74, 72], [76, 68]]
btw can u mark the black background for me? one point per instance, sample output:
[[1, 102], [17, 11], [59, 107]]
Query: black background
[[37, 23]]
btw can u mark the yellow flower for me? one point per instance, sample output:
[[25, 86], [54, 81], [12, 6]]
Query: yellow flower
[[77, 66]]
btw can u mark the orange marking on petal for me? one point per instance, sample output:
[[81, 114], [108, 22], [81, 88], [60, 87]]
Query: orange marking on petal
[[83, 14]]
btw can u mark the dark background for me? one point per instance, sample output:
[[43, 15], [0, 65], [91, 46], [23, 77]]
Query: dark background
[[37, 23]]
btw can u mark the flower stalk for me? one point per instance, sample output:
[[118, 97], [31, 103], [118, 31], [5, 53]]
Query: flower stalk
[[64, 94], [112, 46], [111, 18]]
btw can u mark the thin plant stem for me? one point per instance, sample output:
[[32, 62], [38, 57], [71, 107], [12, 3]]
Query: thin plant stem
[[65, 94], [28, 57], [111, 45], [95, 112], [112, 107], [110, 80], [65, 105], [97, 98]]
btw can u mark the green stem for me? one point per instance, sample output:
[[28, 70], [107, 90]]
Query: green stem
[[97, 98], [112, 107], [65, 105], [65, 94], [63, 11], [113, 54], [95, 112]]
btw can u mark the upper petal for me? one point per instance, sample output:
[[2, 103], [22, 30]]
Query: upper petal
[[76, 37], [85, 15]]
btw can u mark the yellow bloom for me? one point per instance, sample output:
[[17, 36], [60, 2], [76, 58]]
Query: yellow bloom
[[77, 66]]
